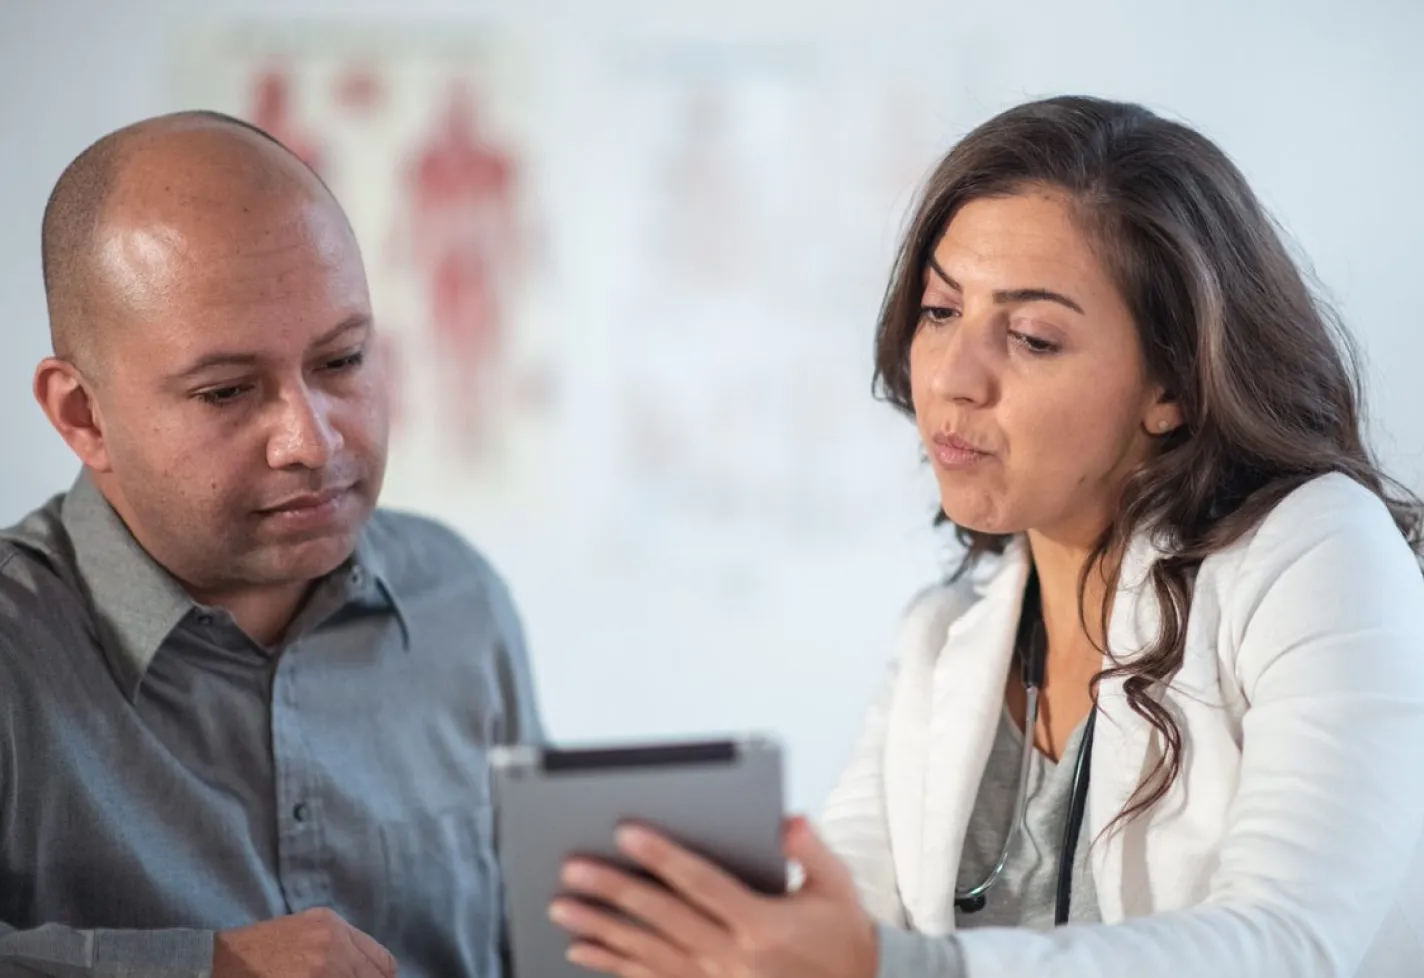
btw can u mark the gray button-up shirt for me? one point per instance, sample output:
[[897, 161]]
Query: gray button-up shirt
[[162, 776]]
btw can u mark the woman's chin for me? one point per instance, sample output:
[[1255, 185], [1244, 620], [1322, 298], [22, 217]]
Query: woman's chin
[[977, 515]]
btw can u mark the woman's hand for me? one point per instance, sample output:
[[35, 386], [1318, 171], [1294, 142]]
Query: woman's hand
[[706, 924]]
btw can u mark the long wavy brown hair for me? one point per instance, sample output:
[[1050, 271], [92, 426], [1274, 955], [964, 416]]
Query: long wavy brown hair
[[1266, 378]]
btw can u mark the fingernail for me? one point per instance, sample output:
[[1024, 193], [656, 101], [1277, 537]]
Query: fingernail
[[577, 955], [633, 839], [577, 874], [559, 913]]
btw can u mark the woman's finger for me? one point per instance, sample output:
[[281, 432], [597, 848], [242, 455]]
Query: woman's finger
[[647, 902], [823, 868], [633, 944], [716, 893], [604, 961]]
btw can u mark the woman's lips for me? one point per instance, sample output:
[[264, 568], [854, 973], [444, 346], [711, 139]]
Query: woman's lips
[[955, 454]]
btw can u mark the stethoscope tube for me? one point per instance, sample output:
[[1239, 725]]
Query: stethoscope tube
[[973, 899], [1073, 827], [1032, 648]]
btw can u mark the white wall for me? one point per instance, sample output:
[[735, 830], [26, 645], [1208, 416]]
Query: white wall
[[1322, 104]]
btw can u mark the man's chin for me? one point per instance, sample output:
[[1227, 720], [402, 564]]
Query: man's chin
[[308, 560]]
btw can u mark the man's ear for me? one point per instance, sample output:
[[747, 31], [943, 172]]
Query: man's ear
[[67, 400]]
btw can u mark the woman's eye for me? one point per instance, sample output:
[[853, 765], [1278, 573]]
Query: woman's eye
[[1035, 344], [936, 315]]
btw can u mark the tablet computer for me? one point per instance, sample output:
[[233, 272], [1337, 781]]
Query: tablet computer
[[721, 799]]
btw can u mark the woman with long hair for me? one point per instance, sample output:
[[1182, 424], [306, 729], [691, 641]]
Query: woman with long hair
[[1173, 697]]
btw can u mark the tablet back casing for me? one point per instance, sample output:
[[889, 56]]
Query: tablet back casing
[[722, 800]]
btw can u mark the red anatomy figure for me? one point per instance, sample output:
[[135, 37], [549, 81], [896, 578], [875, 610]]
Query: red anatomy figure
[[463, 239]]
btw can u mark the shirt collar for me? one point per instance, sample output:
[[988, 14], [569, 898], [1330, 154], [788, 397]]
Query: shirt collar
[[137, 603], [365, 581]]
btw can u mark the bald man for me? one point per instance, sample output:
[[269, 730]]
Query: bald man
[[244, 714]]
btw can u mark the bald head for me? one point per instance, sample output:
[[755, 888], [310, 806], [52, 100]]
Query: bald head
[[217, 354], [168, 181]]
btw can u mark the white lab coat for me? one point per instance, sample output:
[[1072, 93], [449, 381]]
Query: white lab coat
[[1290, 846]]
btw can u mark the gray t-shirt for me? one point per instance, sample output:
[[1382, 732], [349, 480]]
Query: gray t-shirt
[[1025, 894]]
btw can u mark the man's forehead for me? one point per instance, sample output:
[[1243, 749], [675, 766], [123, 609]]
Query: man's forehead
[[201, 328], [133, 262], [284, 264]]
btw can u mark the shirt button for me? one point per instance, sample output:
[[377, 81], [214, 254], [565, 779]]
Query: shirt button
[[358, 577], [300, 812], [205, 618]]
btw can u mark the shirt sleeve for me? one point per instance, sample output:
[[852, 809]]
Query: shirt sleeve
[[53, 951], [907, 955], [523, 724]]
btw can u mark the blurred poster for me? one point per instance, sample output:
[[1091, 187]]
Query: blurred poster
[[428, 140], [769, 187], [631, 286], [697, 386]]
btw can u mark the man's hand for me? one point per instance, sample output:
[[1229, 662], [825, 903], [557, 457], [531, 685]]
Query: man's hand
[[311, 944]]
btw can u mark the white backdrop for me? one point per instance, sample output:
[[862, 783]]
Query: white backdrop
[[711, 526]]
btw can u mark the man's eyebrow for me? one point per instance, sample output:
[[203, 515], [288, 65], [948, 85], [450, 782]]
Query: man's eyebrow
[[223, 358], [1013, 295], [210, 360], [350, 324]]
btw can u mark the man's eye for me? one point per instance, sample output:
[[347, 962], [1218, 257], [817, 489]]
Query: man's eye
[[222, 396], [347, 362]]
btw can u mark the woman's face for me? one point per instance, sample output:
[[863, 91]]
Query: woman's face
[[1027, 374]]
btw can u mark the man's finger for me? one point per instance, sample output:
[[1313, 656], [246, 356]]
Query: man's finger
[[381, 960]]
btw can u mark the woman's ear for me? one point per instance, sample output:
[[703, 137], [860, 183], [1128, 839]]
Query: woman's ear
[[1163, 416]]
